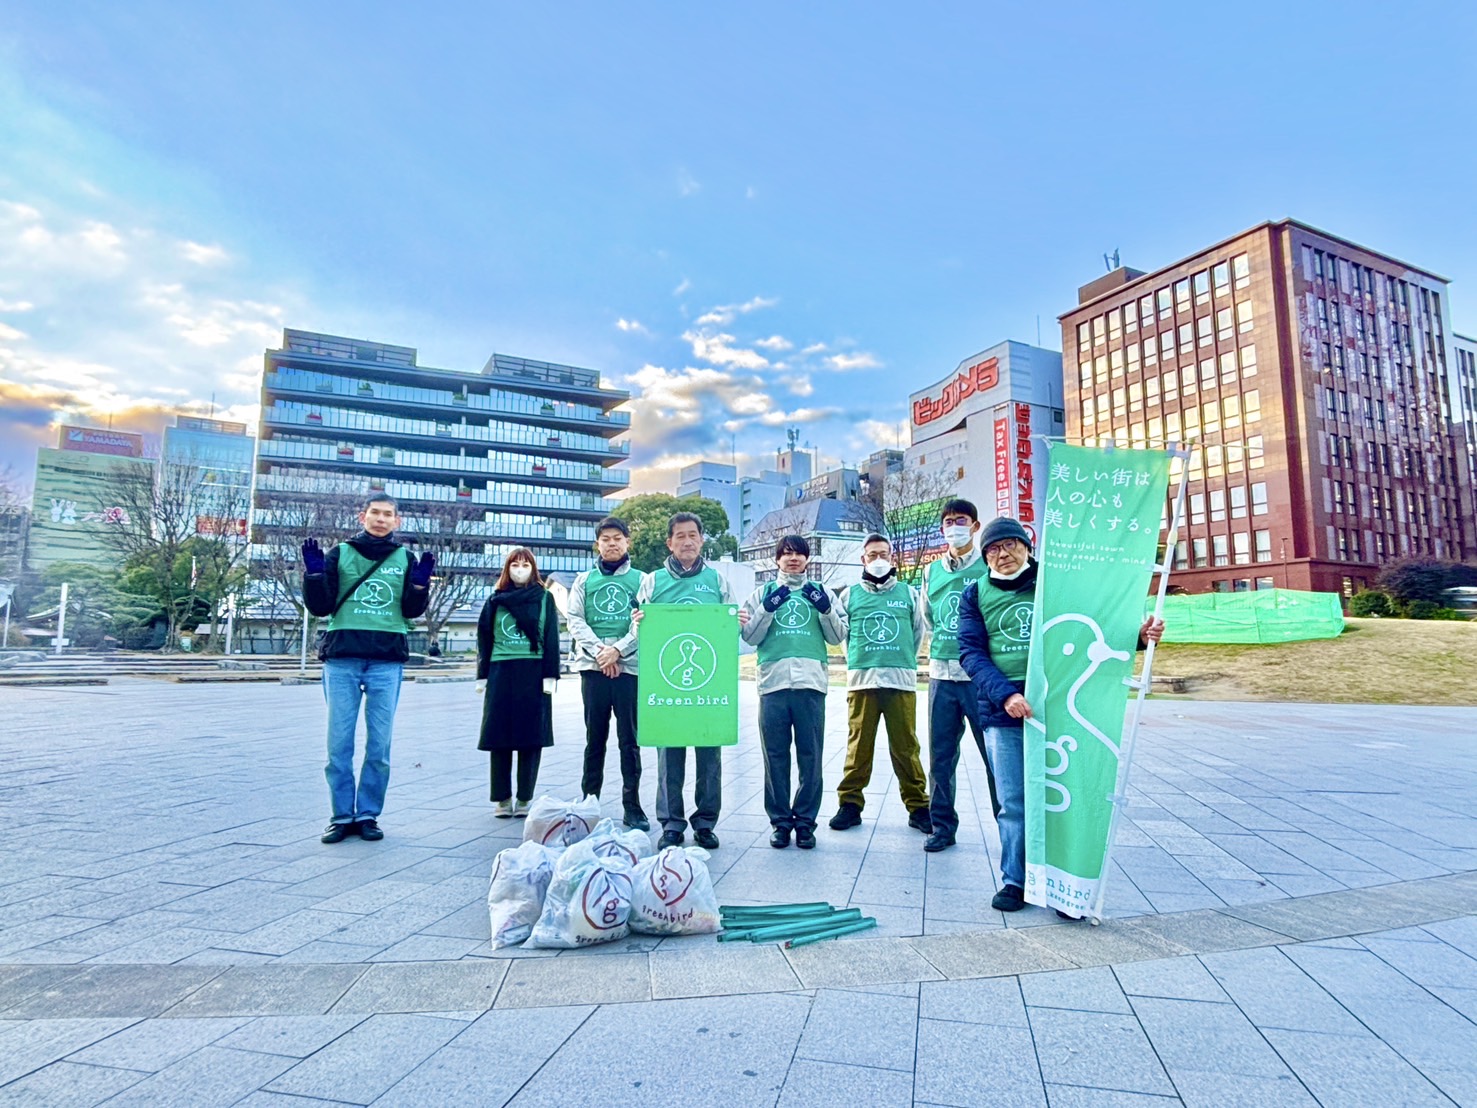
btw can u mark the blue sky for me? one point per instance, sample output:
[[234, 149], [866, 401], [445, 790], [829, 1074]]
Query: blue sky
[[751, 217]]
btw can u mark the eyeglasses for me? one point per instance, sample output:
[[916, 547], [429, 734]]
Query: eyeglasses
[[1003, 546]]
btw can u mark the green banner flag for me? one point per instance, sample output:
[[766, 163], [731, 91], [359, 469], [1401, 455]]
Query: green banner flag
[[687, 686], [1100, 535]]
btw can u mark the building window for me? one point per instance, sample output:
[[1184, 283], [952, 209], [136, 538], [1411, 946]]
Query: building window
[[1201, 558], [1166, 345], [1241, 545], [1244, 321], [1228, 366], [1130, 318], [1182, 294], [1252, 407], [1133, 355], [1241, 270], [1207, 373], [1166, 306], [1203, 332], [1248, 360], [1238, 501], [1259, 498], [1115, 326], [1202, 287], [1115, 363], [1211, 416], [1220, 551], [1263, 541], [1135, 396], [1151, 391], [1151, 352], [1197, 509], [1217, 505], [1187, 338], [1223, 325], [1221, 277], [1255, 455], [1146, 310], [1231, 411]]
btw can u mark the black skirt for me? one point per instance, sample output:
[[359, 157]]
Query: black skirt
[[516, 715]]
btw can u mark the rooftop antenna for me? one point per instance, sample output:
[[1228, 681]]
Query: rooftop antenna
[[1110, 261]]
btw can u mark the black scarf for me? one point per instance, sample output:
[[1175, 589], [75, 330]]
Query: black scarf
[[609, 569], [674, 567], [1025, 581], [524, 603]]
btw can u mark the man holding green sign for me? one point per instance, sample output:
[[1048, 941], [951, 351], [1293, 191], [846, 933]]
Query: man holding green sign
[[999, 618], [687, 691]]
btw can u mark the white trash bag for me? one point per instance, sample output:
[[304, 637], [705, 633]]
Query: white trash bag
[[672, 894], [560, 823], [609, 842], [515, 896], [588, 901]]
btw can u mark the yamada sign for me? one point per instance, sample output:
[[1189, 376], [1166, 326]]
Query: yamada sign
[[980, 377]]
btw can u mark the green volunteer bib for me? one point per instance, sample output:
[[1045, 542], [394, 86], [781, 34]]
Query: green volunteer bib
[[945, 589], [608, 602], [881, 629], [1008, 618], [794, 632], [704, 587], [511, 644], [375, 605]]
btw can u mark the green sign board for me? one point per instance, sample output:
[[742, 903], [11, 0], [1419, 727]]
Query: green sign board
[[687, 686], [1100, 536]]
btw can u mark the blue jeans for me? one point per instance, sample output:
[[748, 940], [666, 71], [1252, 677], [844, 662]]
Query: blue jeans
[[1007, 755], [345, 681]]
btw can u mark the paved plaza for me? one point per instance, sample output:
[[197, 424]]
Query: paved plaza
[[1293, 920]]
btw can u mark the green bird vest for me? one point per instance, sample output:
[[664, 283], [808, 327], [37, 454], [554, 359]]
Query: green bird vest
[[608, 602], [1008, 617], [704, 587], [794, 632], [509, 644], [945, 590], [375, 605], [881, 629]]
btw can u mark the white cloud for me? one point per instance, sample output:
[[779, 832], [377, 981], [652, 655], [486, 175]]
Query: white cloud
[[775, 343], [687, 184], [717, 350], [16, 305], [799, 415], [750, 192], [852, 361], [725, 314], [10, 334], [631, 326], [201, 254], [813, 348], [880, 433], [682, 286], [798, 384]]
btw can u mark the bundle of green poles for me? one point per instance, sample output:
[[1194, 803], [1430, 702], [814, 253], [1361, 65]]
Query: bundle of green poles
[[790, 924]]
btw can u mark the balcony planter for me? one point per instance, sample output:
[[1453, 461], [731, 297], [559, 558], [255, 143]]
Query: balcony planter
[[443, 430], [459, 398], [546, 408], [587, 500], [540, 468], [346, 450], [463, 492], [323, 386], [387, 455], [593, 473], [553, 440], [315, 417], [376, 484], [366, 389]]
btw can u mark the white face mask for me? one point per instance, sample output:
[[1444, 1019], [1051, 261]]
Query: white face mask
[[521, 573], [995, 573], [958, 537], [878, 568]]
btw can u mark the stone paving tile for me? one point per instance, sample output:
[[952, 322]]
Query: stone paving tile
[[1183, 978], [291, 1036], [711, 969], [211, 1076], [429, 948], [364, 1062], [1216, 1089], [1096, 1049], [834, 964], [861, 1029], [1083, 990], [613, 979], [270, 991], [988, 954], [1353, 1069], [151, 1045], [994, 1001], [113, 991], [812, 1084], [1187, 1035], [733, 1050], [459, 1076], [969, 1064], [69, 1083], [27, 1045], [424, 987], [1204, 931], [1074, 1096]]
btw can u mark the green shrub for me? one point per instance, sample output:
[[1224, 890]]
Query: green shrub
[[1422, 609], [1370, 602]]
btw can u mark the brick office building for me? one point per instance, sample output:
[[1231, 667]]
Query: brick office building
[[1317, 380]]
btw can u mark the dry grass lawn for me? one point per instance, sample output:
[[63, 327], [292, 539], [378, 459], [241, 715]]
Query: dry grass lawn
[[1375, 661]]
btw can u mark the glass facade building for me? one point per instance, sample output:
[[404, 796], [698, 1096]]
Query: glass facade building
[[524, 453]]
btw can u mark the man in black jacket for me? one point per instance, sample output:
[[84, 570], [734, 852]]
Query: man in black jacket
[[370, 588]]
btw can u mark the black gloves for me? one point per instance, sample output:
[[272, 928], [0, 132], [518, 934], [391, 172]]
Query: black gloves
[[817, 596], [312, 558], [776, 598]]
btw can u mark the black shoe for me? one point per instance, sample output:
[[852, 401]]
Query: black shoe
[[637, 821], [848, 815], [939, 840], [705, 839], [918, 820], [671, 838], [335, 832], [779, 838], [805, 838], [1009, 899], [369, 830]]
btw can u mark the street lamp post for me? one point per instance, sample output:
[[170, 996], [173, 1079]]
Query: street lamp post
[[1283, 556]]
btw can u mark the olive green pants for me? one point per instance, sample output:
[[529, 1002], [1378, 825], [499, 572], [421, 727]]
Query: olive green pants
[[898, 708]]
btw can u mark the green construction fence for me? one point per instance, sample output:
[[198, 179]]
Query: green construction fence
[[1263, 616]]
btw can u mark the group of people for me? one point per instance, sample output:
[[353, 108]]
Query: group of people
[[974, 606]]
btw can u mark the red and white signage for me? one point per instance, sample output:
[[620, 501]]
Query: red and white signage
[[1025, 481], [979, 377], [1002, 467]]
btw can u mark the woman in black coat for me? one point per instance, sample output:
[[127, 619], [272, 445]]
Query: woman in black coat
[[517, 665]]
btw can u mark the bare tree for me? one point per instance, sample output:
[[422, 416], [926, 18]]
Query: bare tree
[[796, 519], [911, 501], [460, 539], [14, 506], [292, 508]]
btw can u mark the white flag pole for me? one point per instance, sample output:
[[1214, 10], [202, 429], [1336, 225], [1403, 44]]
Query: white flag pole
[[1119, 799]]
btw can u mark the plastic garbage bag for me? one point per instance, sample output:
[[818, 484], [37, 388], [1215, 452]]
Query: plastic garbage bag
[[672, 894], [609, 841], [560, 823], [588, 901], [515, 896]]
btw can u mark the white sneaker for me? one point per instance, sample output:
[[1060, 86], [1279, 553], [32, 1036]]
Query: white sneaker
[[521, 808], [503, 809]]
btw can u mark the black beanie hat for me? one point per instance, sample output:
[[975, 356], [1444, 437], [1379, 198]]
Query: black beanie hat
[[1003, 527]]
